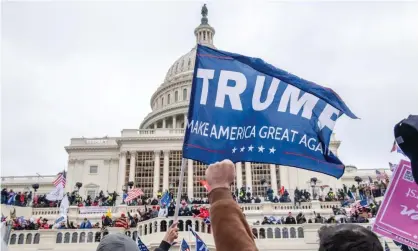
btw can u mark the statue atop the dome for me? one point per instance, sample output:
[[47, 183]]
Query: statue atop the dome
[[204, 11]]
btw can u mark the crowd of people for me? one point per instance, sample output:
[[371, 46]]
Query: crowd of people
[[362, 216], [143, 200], [26, 198], [101, 199], [16, 198], [242, 195], [224, 213], [354, 212], [156, 209], [191, 207]]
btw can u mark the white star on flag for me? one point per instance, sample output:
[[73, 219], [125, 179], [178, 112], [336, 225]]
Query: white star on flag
[[250, 148], [234, 149], [272, 150], [261, 149], [242, 149]]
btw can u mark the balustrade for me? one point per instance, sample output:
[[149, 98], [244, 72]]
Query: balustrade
[[79, 236], [161, 225], [24, 237], [45, 211], [177, 131], [151, 227], [292, 206], [146, 131], [266, 208], [330, 204], [278, 232]]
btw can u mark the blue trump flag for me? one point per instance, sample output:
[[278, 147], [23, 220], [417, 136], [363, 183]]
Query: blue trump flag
[[165, 199], [11, 199], [244, 109], [184, 246]]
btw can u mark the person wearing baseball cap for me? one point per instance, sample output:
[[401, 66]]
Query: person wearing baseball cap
[[406, 135]]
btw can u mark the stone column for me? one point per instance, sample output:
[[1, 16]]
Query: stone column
[[121, 172], [158, 226], [107, 163], [174, 122], [132, 165], [155, 125], [238, 170], [78, 174], [185, 120], [248, 176], [156, 173], [165, 170], [284, 177], [70, 175], [164, 124], [273, 178], [190, 178]]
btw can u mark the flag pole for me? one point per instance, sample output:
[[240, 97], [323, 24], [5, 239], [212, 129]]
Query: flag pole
[[180, 188]]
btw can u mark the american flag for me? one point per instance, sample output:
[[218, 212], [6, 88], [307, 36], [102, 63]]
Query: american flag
[[60, 180], [381, 176], [357, 206], [392, 167], [135, 192], [396, 148]]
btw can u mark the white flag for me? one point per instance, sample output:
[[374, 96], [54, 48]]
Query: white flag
[[58, 221], [56, 194], [65, 204], [4, 232]]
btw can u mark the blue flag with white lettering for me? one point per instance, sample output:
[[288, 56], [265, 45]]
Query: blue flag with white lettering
[[244, 109], [165, 200]]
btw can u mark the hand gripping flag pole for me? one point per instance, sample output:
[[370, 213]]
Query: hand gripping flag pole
[[180, 188]]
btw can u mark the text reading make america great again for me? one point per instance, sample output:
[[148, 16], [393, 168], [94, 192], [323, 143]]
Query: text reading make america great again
[[240, 103]]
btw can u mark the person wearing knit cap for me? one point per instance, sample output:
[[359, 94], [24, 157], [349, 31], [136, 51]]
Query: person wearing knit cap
[[121, 242]]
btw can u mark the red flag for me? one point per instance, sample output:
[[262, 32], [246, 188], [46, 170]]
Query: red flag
[[281, 192], [205, 185]]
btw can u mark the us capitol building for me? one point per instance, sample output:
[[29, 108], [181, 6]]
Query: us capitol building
[[151, 156]]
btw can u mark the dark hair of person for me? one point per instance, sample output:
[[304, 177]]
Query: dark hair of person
[[348, 237]]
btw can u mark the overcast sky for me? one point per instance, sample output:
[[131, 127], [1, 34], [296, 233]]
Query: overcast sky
[[89, 69]]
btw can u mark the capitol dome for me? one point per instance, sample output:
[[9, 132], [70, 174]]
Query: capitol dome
[[170, 101]]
